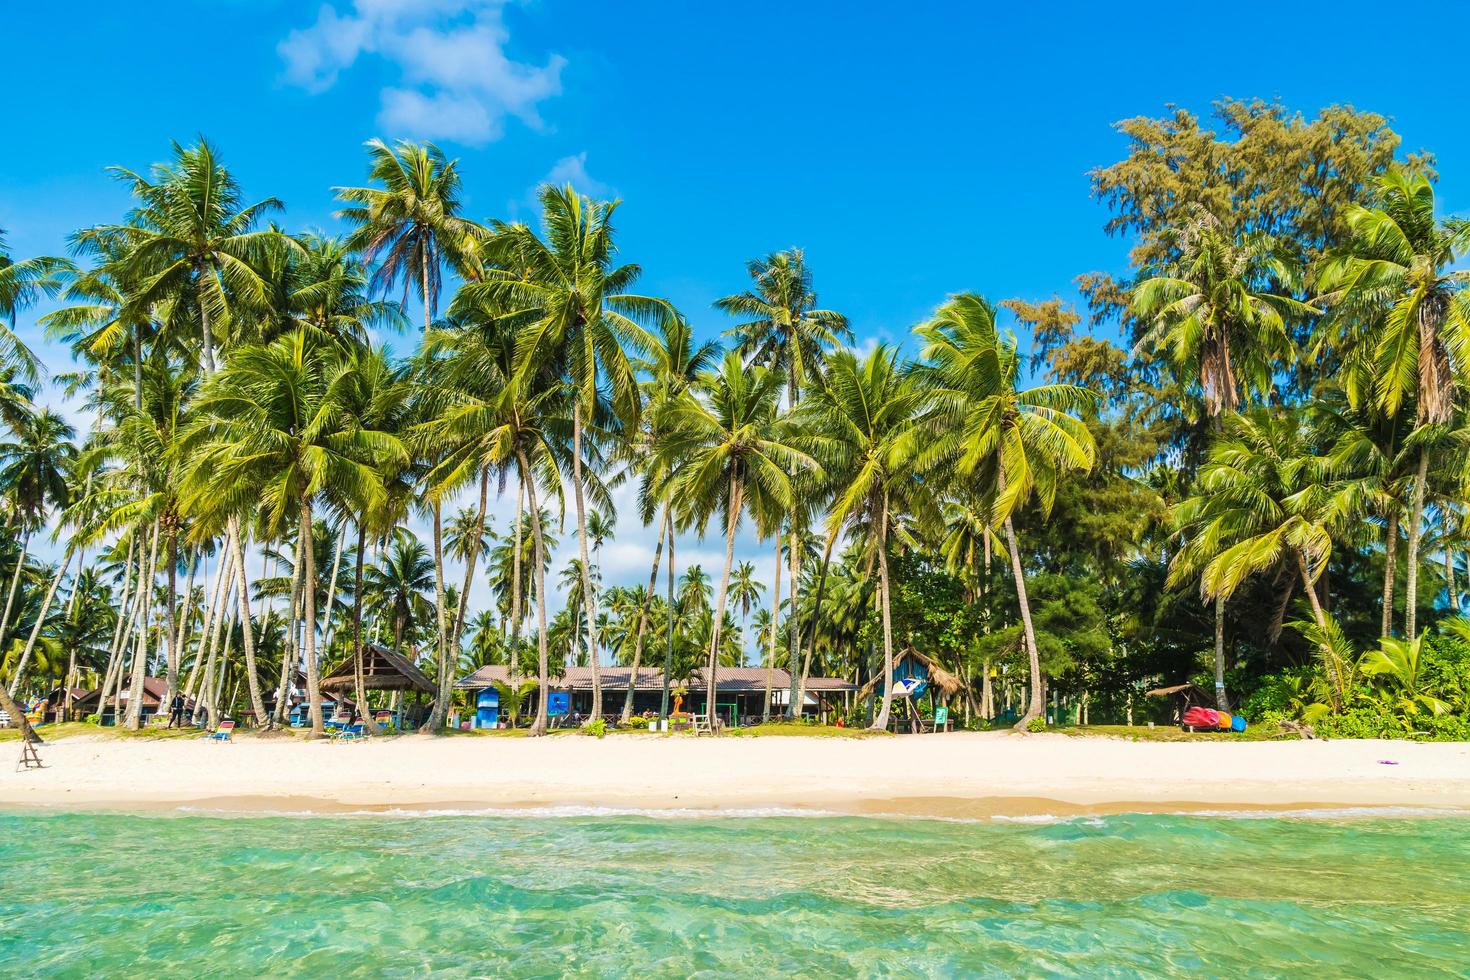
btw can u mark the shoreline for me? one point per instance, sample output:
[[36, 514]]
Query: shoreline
[[948, 776]]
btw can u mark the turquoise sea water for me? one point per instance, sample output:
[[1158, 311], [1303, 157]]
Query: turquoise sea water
[[619, 895]]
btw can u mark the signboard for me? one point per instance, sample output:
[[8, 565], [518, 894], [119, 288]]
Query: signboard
[[941, 715], [558, 703]]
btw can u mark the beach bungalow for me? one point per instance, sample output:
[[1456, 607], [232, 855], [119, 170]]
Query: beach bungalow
[[384, 670], [915, 676], [741, 692], [154, 691]]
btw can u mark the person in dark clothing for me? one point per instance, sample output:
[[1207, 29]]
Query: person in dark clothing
[[176, 711]]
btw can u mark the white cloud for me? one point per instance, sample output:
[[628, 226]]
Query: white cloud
[[457, 82], [573, 170]]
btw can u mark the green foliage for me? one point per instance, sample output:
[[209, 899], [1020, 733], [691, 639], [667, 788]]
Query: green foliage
[[596, 728], [1036, 725]]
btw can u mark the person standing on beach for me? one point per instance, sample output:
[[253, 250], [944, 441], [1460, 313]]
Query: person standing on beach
[[176, 711]]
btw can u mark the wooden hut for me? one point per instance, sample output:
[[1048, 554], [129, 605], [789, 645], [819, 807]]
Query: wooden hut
[[382, 670], [915, 674]]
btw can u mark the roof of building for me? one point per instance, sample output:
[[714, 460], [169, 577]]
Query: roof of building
[[154, 690], [383, 670], [732, 679], [947, 683]]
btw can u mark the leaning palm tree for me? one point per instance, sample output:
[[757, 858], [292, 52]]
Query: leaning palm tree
[[587, 320], [1018, 442], [1400, 314], [1266, 498], [273, 430], [866, 426], [721, 440]]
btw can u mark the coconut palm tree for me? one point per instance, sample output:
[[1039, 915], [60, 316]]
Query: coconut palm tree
[[35, 476], [673, 366], [1013, 442], [1266, 497], [189, 242], [410, 225], [745, 591], [865, 425], [1400, 312], [783, 328], [1218, 316], [587, 321], [273, 429], [726, 436], [21, 284]]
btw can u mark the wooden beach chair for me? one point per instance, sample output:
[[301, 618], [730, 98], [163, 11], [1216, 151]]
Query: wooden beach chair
[[702, 726]]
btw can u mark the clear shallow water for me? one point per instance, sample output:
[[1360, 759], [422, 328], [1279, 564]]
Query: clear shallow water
[[615, 895]]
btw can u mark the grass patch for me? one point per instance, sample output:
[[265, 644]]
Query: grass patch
[[50, 733], [1163, 733], [792, 728]]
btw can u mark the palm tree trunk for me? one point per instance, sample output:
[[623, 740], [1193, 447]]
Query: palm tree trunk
[[212, 612], [1449, 581], [119, 629], [881, 722], [436, 714], [292, 657], [1411, 583], [183, 633], [25, 655], [140, 654], [1035, 708], [737, 492], [793, 621], [1390, 550], [811, 645], [18, 718], [359, 681], [205, 707], [246, 633], [589, 611], [308, 593], [330, 596], [471, 560], [663, 711], [1221, 701], [658, 553], [771, 640], [516, 613], [538, 574], [171, 668], [20, 561]]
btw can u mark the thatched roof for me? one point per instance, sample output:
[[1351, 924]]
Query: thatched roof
[[949, 685], [1191, 693], [382, 669]]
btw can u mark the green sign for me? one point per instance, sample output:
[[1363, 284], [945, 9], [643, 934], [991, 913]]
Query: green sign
[[941, 715]]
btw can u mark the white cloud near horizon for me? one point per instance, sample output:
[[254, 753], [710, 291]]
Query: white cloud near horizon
[[456, 79]]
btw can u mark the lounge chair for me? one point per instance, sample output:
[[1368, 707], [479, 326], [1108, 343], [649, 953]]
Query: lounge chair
[[702, 726], [222, 733], [350, 733]]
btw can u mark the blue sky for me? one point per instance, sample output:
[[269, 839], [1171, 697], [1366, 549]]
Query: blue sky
[[913, 149]]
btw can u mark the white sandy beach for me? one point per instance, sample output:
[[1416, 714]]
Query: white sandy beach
[[942, 775]]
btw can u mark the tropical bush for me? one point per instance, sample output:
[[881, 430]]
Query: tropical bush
[[1417, 688]]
